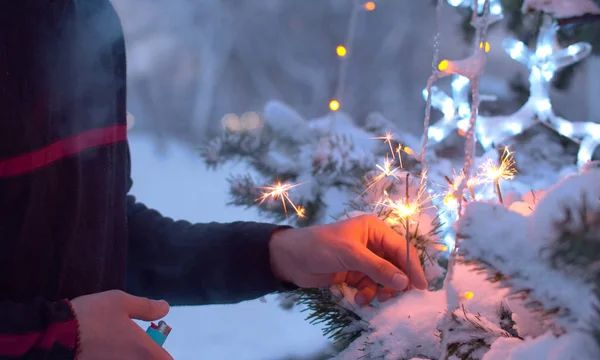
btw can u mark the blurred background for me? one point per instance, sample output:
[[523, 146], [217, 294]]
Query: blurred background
[[190, 62]]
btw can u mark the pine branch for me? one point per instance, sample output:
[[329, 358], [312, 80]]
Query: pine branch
[[239, 144], [245, 192], [577, 252], [341, 325], [471, 335]]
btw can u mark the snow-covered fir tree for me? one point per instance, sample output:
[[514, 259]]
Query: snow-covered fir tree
[[299, 165], [511, 249]]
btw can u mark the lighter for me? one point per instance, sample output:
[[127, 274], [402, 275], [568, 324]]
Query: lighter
[[159, 332]]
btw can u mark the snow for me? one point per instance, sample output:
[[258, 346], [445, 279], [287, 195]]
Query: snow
[[178, 185], [563, 8], [512, 245], [405, 327], [574, 346]]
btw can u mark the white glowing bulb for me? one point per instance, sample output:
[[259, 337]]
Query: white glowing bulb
[[543, 105], [565, 128], [435, 133], [543, 51], [586, 150], [485, 142], [463, 124], [496, 9], [518, 51], [448, 109], [514, 127], [449, 241], [572, 54], [592, 129]]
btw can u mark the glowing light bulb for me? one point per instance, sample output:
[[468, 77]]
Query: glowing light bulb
[[334, 105], [468, 295], [487, 46], [369, 6], [341, 51], [443, 66]]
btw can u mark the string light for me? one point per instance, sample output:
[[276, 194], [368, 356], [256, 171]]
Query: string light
[[369, 6], [334, 105], [468, 295], [341, 51]]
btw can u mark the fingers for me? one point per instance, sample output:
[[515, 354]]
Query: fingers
[[382, 236], [367, 288], [143, 308], [380, 270], [384, 294]]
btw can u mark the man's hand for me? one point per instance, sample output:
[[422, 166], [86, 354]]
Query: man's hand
[[107, 331], [363, 252]]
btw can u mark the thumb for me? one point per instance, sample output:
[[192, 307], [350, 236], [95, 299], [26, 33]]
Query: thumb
[[379, 270], [144, 309]]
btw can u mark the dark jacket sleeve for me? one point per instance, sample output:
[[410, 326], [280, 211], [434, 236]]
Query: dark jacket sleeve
[[193, 264], [38, 329]]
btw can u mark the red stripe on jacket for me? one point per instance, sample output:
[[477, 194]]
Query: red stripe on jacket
[[63, 333], [34, 160]]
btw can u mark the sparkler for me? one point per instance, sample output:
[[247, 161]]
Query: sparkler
[[281, 191], [406, 236], [491, 173]]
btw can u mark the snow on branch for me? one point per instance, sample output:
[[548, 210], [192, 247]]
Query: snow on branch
[[549, 257], [563, 8]]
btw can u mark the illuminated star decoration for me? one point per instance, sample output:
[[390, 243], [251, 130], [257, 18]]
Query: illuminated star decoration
[[543, 65], [457, 109], [453, 108]]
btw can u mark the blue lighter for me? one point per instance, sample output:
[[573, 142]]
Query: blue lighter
[[159, 332]]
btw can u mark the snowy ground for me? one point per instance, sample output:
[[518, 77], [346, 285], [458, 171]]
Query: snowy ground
[[179, 185]]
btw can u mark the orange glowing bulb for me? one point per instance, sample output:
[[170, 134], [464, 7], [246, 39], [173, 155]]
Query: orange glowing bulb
[[334, 105], [341, 51], [449, 200], [468, 295], [408, 150], [444, 64], [441, 247], [369, 6]]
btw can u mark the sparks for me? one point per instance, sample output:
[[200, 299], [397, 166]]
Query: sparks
[[493, 174], [401, 210], [490, 173], [281, 191], [388, 137], [387, 170], [451, 196]]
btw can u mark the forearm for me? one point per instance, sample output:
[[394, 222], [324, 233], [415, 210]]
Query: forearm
[[37, 329], [192, 264]]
